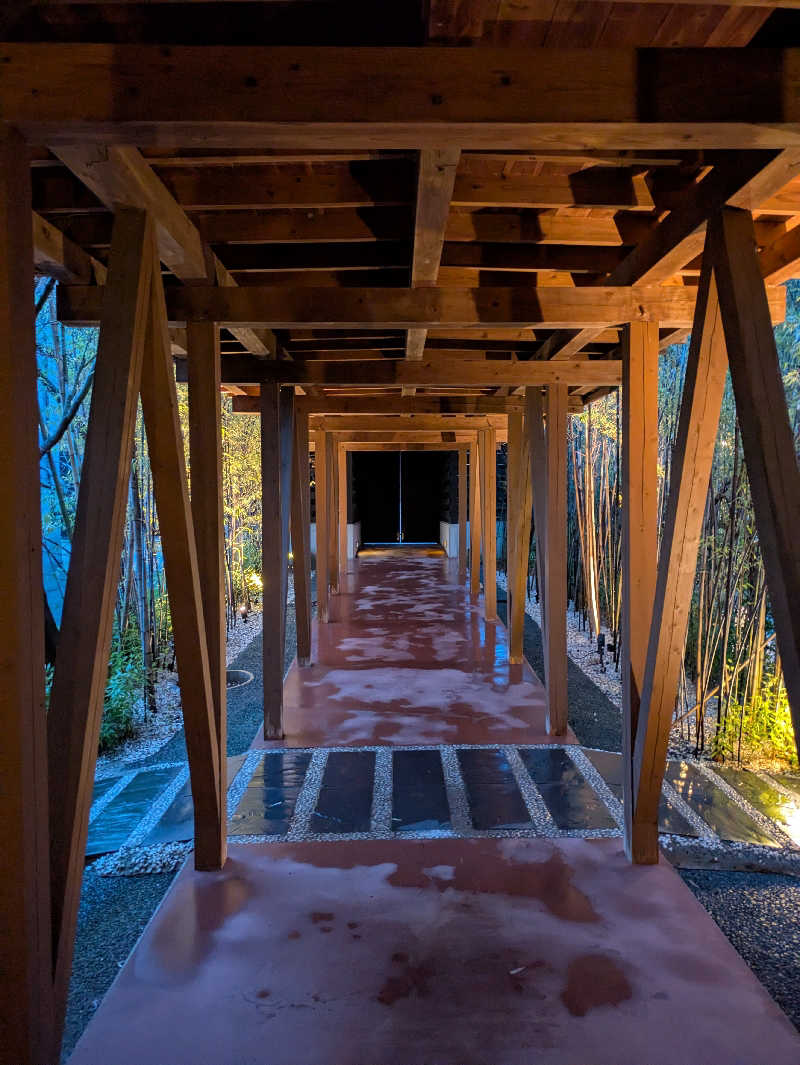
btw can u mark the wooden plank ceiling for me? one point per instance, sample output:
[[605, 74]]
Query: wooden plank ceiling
[[356, 218]]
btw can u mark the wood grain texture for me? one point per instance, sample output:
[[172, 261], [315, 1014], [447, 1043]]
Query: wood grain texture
[[26, 990]]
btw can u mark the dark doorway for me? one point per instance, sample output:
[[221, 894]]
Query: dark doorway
[[400, 495], [376, 490]]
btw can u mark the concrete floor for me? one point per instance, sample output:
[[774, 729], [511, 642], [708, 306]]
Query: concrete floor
[[459, 952], [479, 951], [408, 659]]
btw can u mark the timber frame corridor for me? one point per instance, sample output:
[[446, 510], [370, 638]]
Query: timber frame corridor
[[528, 227]]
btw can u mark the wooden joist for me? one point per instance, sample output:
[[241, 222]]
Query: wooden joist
[[341, 225], [524, 227], [391, 405], [399, 308], [612, 189], [26, 989], [406, 98]]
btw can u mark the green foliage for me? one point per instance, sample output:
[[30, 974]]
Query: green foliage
[[123, 691], [758, 730]]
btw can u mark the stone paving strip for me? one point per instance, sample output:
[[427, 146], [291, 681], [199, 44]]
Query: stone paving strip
[[469, 791]]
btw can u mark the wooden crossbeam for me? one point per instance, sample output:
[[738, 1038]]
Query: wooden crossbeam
[[398, 308], [692, 456], [524, 227], [440, 372], [767, 437], [26, 989], [401, 97], [342, 225], [368, 423], [81, 668], [392, 405], [55, 255]]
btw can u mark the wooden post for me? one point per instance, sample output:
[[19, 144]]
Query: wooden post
[[26, 990], [179, 548], [205, 461], [518, 516], [301, 516], [677, 562], [81, 669], [322, 505], [555, 559], [462, 515], [489, 498], [341, 492], [277, 432], [767, 438], [639, 527], [332, 467], [474, 518]]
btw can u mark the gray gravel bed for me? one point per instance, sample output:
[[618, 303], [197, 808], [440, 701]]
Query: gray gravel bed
[[593, 717], [113, 913], [760, 915]]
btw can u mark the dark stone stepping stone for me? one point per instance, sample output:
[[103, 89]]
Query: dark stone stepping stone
[[572, 801], [494, 797], [766, 799], [609, 765], [345, 798], [419, 798], [101, 787], [268, 803], [717, 809], [177, 823], [110, 830]]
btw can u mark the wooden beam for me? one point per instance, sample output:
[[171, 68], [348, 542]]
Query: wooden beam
[[488, 447], [677, 564], [26, 989], [400, 98], [119, 174], [474, 520], [55, 255], [81, 668], [462, 516], [205, 462], [430, 373], [398, 308], [555, 559], [767, 437], [322, 507], [519, 530], [277, 436], [382, 423], [639, 529], [532, 258], [393, 405], [301, 547], [566, 343]]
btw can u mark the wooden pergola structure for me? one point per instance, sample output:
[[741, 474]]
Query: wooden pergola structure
[[369, 236]]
